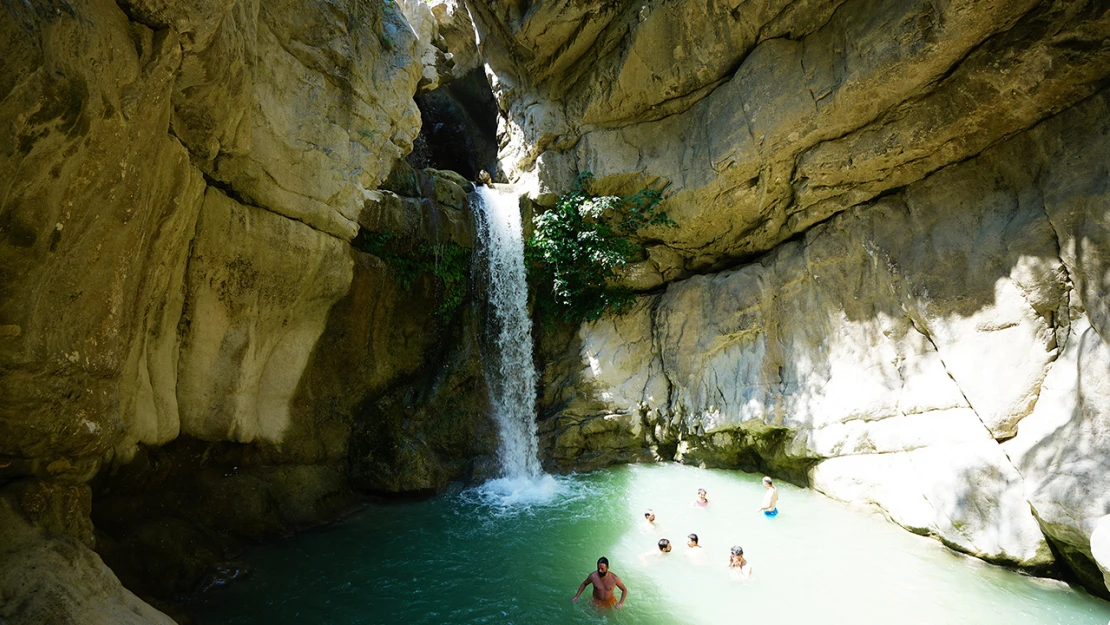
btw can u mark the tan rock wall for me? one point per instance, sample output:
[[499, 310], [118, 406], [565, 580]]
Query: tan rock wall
[[47, 576], [890, 350], [259, 290], [97, 215], [181, 184], [881, 353], [819, 107], [126, 320]]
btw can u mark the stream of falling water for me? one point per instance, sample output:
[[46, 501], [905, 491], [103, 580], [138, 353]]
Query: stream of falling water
[[509, 370]]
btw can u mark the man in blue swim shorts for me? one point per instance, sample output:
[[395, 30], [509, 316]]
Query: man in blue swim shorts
[[770, 499]]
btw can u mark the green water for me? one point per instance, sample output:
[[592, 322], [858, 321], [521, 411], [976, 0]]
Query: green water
[[467, 557]]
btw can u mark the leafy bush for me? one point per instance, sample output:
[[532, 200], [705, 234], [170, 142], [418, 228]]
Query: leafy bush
[[449, 263], [577, 245]]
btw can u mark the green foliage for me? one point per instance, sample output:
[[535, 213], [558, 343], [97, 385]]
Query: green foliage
[[448, 262], [577, 245]]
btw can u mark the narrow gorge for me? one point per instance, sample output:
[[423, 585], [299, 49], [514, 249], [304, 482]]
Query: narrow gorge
[[241, 290]]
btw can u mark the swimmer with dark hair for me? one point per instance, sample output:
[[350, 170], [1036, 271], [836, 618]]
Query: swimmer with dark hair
[[694, 551], [770, 506], [650, 517], [604, 581], [664, 548], [738, 566]]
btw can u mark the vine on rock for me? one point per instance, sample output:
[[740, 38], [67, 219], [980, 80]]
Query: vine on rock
[[577, 246], [448, 262]]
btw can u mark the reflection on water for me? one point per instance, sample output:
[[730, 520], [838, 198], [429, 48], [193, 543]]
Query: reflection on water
[[515, 553]]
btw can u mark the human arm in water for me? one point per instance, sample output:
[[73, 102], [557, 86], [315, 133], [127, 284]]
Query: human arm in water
[[578, 594], [624, 592]]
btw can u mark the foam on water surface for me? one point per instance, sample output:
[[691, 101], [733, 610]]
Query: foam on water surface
[[513, 492]]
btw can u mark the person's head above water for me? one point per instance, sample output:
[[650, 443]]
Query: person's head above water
[[692, 540], [650, 516], [664, 545], [736, 557], [602, 566], [701, 495]]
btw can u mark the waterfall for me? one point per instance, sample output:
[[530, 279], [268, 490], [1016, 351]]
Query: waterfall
[[509, 372]]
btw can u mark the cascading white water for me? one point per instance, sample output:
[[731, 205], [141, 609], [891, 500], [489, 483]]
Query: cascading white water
[[509, 371]]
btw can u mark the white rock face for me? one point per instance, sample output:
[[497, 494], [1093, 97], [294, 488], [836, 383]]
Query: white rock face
[[1060, 447], [1100, 546], [885, 354]]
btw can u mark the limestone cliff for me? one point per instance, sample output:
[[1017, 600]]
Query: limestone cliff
[[187, 322], [887, 278]]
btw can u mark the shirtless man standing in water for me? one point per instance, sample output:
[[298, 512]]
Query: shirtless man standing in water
[[604, 582], [770, 499]]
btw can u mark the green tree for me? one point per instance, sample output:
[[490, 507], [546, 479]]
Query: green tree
[[577, 245]]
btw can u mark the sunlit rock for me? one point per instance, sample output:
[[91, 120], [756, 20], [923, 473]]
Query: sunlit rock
[[766, 118], [1059, 449], [259, 290], [884, 355], [1100, 546]]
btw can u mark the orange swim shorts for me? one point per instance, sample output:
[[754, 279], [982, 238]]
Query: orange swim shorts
[[607, 603]]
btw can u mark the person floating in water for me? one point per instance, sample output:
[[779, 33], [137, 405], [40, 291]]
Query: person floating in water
[[702, 501], [649, 519], [604, 582], [738, 566], [664, 548], [770, 499]]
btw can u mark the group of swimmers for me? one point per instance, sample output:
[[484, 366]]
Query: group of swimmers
[[604, 581]]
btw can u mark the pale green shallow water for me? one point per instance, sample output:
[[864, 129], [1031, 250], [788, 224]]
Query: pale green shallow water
[[464, 558]]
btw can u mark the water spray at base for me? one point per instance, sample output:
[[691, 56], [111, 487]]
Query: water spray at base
[[510, 373]]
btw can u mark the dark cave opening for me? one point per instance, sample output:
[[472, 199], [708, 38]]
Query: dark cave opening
[[459, 127]]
